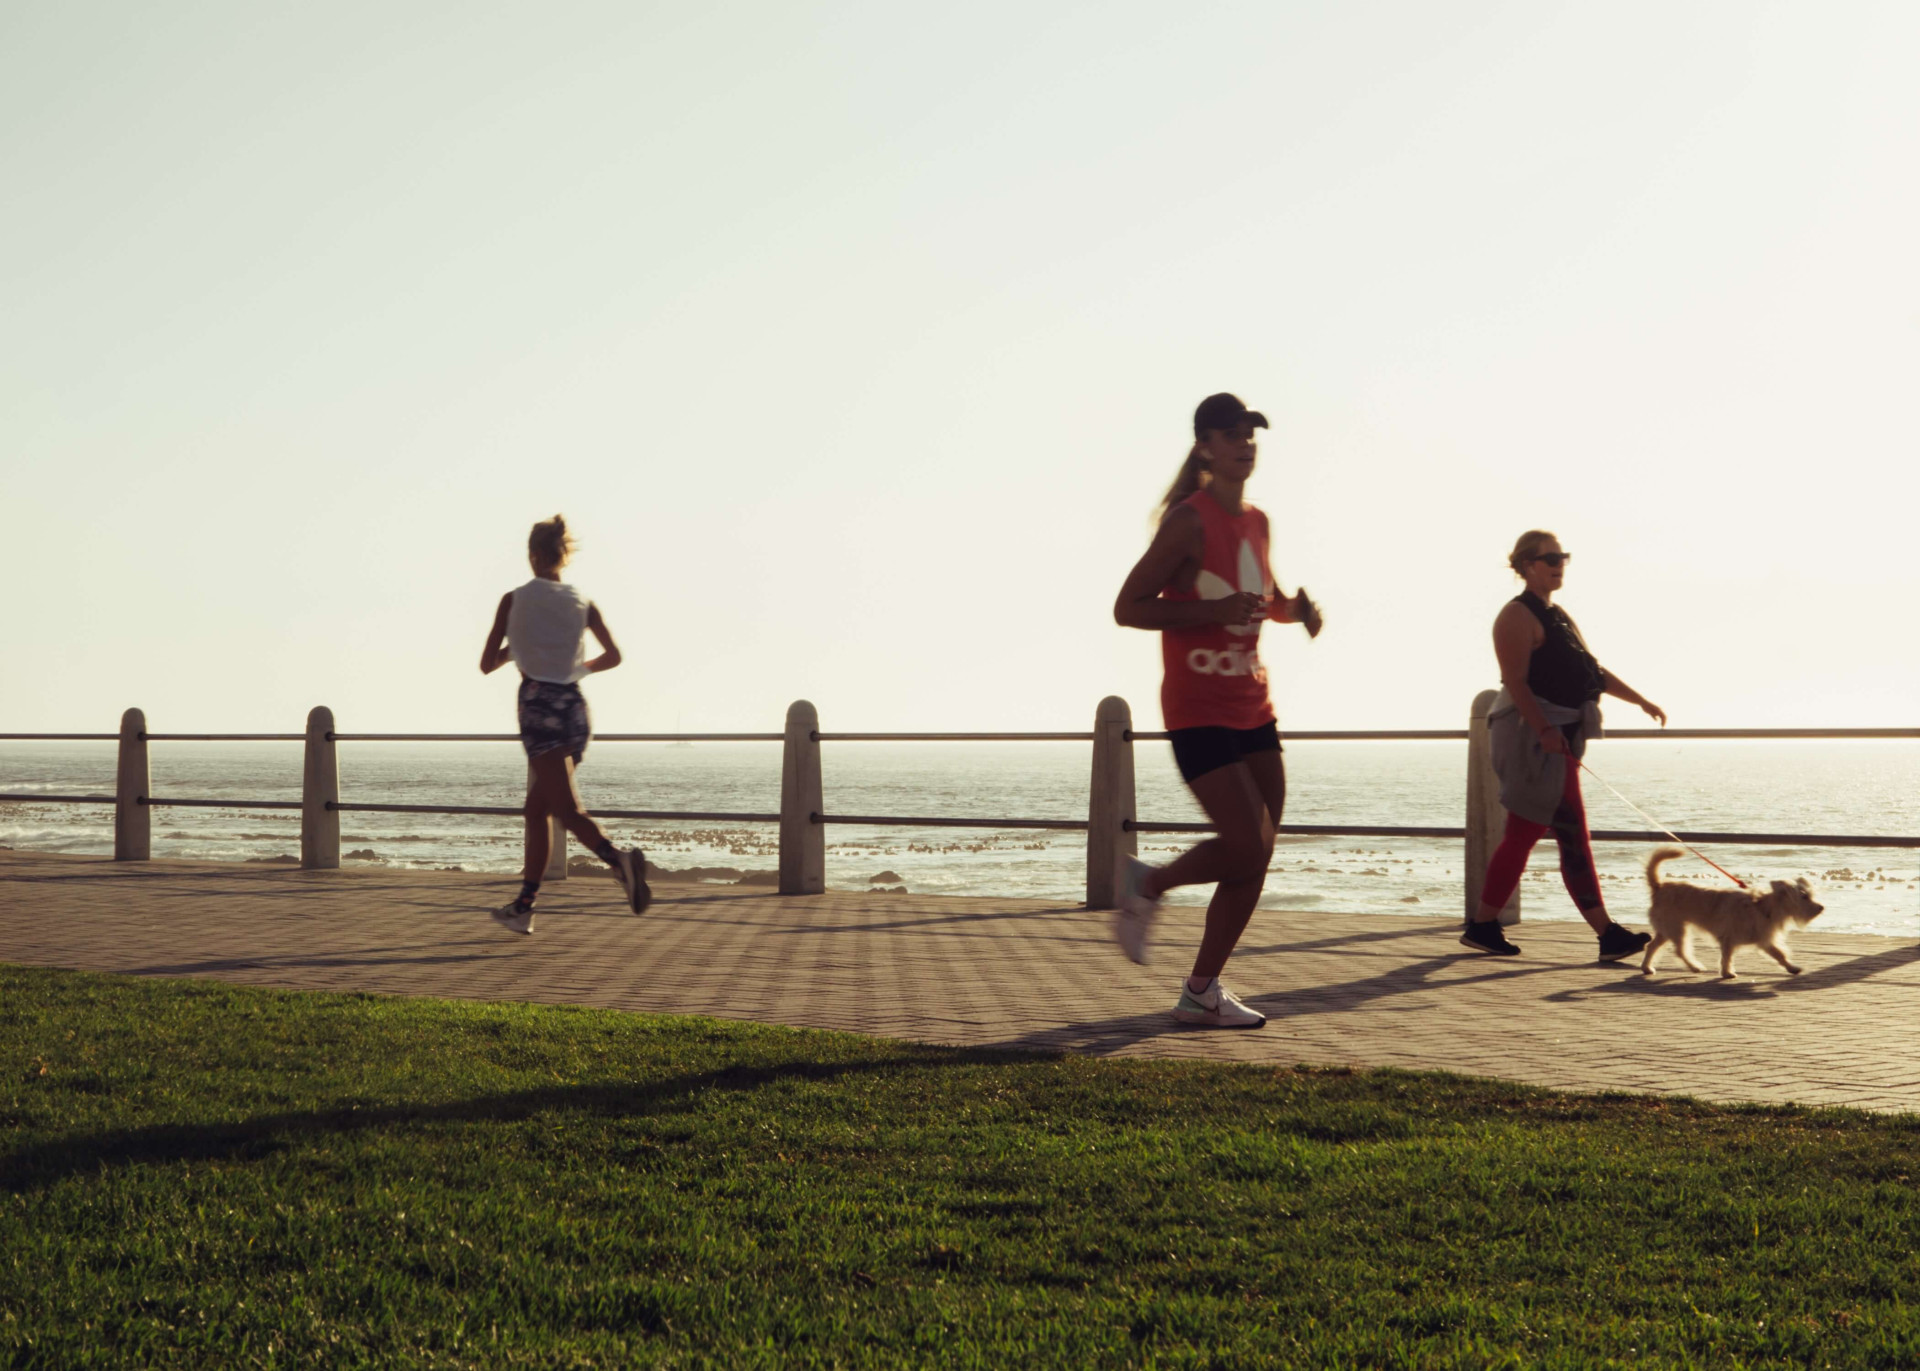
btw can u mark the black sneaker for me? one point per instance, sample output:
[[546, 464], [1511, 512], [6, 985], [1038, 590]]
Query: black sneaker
[[1617, 942], [1489, 937], [632, 873]]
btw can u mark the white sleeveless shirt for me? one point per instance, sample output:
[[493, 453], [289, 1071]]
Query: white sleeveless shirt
[[546, 631]]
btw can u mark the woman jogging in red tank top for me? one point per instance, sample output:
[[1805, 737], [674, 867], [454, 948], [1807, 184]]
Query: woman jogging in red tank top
[[1205, 585]]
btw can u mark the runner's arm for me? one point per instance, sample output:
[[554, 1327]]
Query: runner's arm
[[495, 655], [1296, 609], [610, 658], [1179, 540]]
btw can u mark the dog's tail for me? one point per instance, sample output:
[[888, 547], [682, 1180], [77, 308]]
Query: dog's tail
[[1659, 859]]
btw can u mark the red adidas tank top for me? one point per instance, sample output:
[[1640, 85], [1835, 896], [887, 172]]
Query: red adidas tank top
[[1213, 672]]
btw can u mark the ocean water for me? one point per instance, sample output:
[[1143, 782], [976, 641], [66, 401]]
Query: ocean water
[[1755, 786]]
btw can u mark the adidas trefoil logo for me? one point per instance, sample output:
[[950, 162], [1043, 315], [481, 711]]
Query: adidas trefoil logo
[[1232, 661], [1253, 580]]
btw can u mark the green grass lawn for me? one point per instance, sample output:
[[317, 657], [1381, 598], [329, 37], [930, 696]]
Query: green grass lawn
[[197, 1174]]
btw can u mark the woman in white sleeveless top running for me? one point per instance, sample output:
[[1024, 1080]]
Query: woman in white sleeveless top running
[[541, 628]]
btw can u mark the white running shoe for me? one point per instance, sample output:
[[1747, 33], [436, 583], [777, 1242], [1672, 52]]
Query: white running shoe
[[512, 919], [632, 873], [1219, 1007], [1133, 919]]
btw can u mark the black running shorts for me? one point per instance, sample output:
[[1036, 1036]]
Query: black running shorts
[[553, 718], [1196, 751]]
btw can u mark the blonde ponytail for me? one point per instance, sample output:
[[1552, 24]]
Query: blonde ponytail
[[1193, 476]]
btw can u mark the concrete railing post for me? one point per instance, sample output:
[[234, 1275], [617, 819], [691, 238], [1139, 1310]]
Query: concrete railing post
[[556, 841], [1109, 799], [319, 793], [1486, 820], [803, 838], [132, 820]]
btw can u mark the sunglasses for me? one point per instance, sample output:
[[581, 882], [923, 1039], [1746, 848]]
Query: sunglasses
[[1556, 560]]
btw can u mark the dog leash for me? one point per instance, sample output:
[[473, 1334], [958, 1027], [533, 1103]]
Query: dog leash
[[1658, 826]]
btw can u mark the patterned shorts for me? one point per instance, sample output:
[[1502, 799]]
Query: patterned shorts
[[553, 717]]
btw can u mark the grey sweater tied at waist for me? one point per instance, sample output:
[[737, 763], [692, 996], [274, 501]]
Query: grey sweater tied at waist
[[1532, 780]]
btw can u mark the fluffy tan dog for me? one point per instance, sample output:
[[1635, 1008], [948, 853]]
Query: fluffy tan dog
[[1736, 918]]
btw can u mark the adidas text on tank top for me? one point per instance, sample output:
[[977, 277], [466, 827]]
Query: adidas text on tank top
[[1212, 672]]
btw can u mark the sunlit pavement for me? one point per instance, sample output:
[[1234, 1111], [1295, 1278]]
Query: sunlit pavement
[[1366, 990]]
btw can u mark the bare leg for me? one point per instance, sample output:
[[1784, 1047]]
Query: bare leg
[[554, 794], [1244, 801], [539, 840]]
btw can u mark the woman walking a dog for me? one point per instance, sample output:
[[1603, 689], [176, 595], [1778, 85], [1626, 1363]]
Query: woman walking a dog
[[541, 628], [1205, 585], [1546, 713]]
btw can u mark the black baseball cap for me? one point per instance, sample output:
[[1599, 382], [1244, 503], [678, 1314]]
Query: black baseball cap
[[1224, 411]]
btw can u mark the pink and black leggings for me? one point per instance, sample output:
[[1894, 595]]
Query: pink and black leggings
[[1576, 851]]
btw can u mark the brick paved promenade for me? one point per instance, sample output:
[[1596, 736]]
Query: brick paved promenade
[[1360, 989]]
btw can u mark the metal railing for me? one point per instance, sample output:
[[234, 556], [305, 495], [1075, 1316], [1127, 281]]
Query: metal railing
[[1111, 824]]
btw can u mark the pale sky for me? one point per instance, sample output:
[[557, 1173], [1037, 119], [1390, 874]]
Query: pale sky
[[857, 341]]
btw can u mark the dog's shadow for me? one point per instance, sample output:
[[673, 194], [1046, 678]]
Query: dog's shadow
[[1681, 984], [1675, 980]]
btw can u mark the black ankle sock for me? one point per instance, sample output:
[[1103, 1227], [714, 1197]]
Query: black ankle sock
[[529, 890], [607, 853]]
